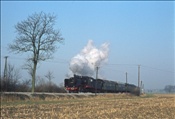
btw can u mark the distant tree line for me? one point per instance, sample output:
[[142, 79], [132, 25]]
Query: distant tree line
[[13, 83], [170, 88]]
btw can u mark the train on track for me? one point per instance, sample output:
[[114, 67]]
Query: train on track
[[88, 84]]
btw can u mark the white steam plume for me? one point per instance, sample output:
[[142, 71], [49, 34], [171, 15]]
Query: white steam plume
[[90, 57]]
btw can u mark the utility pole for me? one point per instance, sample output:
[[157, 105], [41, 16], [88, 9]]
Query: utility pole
[[5, 68], [5, 72], [126, 82], [138, 75], [126, 78], [141, 86], [96, 80]]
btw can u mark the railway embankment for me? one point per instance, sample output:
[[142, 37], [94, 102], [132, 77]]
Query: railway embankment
[[37, 96], [25, 96]]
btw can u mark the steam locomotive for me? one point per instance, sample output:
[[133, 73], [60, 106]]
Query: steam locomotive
[[88, 84]]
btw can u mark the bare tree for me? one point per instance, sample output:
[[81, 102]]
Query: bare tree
[[37, 36], [49, 76], [13, 74], [169, 88]]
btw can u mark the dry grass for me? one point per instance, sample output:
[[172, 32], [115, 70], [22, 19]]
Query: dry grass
[[120, 106]]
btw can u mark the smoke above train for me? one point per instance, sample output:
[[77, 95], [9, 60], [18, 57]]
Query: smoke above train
[[85, 62]]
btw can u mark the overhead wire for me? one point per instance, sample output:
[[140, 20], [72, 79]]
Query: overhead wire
[[49, 60], [153, 68], [107, 65], [142, 66]]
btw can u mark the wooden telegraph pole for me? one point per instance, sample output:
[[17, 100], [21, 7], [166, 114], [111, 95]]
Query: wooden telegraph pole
[[126, 81], [5, 67], [126, 78], [5, 72], [138, 75], [96, 80]]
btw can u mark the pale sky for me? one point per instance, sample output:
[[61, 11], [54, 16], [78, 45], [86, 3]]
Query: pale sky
[[139, 33]]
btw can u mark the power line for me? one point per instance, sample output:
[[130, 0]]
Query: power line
[[12, 57], [112, 64], [142, 66], [65, 61], [109, 68], [51, 61], [153, 68]]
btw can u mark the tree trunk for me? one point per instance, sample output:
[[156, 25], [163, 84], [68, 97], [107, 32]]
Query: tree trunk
[[34, 77]]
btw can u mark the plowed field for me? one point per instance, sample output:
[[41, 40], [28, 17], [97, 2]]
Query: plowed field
[[109, 106]]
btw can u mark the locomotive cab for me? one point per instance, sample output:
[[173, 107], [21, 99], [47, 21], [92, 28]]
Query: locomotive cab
[[87, 84]]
